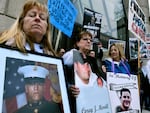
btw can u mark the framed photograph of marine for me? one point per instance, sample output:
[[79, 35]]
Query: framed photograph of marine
[[32, 83]]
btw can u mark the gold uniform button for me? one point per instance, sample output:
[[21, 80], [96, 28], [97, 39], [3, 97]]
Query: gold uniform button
[[35, 110]]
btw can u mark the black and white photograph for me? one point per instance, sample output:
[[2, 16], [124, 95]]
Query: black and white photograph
[[92, 23]]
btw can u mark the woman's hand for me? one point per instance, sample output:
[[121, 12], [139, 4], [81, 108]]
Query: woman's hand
[[104, 68], [74, 90]]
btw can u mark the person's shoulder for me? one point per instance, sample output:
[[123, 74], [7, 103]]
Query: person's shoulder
[[126, 62], [51, 106], [69, 52], [22, 109], [118, 109], [108, 60], [68, 57], [49, 103], [91, 59]]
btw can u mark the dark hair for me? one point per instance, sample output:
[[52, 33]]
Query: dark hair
[[91, 50], [123, 90], [81, 34]]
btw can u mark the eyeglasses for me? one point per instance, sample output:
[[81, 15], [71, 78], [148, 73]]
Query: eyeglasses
[[87, 39], [62, 51]]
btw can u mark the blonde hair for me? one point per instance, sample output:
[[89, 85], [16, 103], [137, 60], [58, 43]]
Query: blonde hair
[[120, 49], [20, 38]]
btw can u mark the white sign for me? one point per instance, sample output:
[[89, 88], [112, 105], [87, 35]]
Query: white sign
[[136, 20], [92, 97], [124, 92]]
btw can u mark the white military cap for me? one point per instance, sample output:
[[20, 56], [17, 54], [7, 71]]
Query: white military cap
[[33, 71]]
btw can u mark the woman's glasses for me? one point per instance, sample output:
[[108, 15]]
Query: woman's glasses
[[87, 39]]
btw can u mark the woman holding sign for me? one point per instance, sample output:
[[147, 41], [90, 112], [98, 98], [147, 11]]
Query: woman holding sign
[[31, 32], [84, 76], [119, 76]]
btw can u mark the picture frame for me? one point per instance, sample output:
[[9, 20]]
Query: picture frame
[[12, 84]]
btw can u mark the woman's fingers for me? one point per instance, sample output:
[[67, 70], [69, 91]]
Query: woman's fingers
[[74, 90]]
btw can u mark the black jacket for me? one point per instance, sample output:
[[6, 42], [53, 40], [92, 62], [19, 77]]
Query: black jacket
[[40, 107]]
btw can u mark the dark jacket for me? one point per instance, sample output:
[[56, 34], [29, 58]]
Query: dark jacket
[[122, 67], [40, 107]]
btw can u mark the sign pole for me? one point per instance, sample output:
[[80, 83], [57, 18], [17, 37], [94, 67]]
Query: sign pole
[[139, 63]]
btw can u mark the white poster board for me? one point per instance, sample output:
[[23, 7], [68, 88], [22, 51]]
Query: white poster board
[[116, 82], [136, 20]]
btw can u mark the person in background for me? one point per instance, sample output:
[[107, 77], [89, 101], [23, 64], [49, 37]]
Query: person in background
[[146, 84], [141, 84], [116, 62], [125, 99], [34, 77], [100, 51], [31, 30], [61, 52], [100, 54], [92, 53]]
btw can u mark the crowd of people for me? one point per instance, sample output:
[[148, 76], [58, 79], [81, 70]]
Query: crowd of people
[[31, 32]]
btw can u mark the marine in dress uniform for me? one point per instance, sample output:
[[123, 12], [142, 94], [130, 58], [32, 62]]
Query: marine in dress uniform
[[34, 77]]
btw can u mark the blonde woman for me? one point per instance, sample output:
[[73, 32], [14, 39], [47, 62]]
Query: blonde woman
[[31, 30], [116, 62]]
